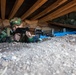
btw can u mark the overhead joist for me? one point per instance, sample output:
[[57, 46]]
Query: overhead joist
[[63, 25], [15, 8], [72, 9], [38, 4], [60, 11], [49, 9], [3, 8]]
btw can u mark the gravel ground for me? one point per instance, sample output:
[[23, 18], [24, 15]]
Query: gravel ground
[[55, 56]]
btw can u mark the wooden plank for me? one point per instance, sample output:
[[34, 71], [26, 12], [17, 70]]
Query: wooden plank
[[38, 4], [3, 8], [64, 13], [60, 10], [32, 24], [63, 25], [50, 8], [0, 5], [15, 8]]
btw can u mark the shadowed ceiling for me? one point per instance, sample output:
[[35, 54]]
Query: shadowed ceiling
[[42, 10]]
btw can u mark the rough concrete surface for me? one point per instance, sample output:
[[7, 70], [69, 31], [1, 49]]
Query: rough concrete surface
[[55, 56]]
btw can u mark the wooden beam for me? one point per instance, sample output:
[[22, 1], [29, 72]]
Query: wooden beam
[[63, 25], [50, 8], [0, 5], [72, 9], [16, 6], [3, 8], [60, 10], [38, 4]]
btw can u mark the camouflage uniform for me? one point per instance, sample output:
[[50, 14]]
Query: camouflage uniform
[[15, 22], [7, 33], [4, 37]]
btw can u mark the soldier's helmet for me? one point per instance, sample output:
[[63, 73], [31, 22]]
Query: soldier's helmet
[[15, 21]]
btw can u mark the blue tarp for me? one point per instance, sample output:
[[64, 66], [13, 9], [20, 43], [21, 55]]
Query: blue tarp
[[58, 34], [43, 36], [64, 33]]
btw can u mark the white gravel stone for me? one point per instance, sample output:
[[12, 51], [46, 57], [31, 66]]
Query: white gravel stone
[[54, 56]]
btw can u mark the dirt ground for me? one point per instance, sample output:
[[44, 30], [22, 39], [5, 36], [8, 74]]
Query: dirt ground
[[54, 56]]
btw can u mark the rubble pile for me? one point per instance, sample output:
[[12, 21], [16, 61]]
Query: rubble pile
[[56, 56]]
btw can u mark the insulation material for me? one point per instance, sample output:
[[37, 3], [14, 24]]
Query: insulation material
[[43, 24], [6, 23], [31, 24]]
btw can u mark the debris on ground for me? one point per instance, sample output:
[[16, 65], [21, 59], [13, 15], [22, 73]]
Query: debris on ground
[[53, 56]]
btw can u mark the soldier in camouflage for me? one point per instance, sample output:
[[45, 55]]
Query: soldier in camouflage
[[7, 34]]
